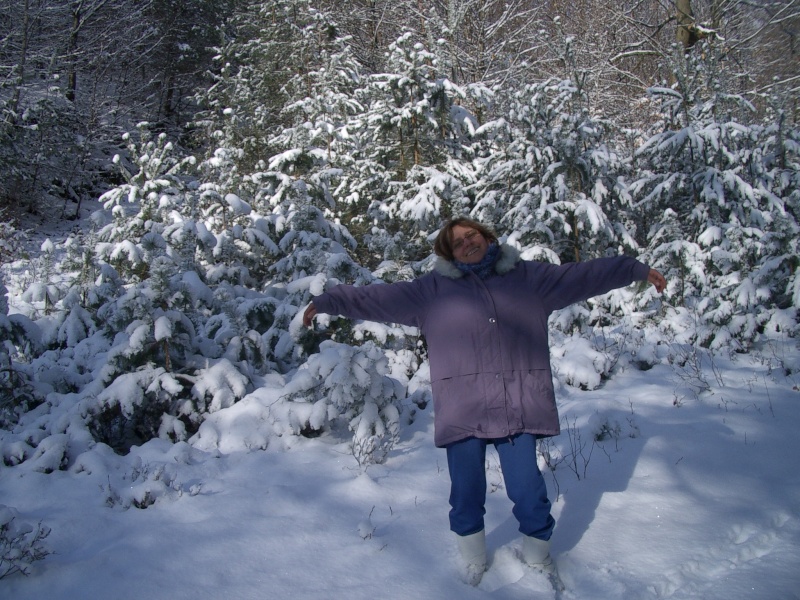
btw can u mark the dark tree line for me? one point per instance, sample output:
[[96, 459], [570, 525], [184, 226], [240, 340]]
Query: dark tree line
[[76, 74]]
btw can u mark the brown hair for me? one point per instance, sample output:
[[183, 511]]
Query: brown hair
[[443, 246]]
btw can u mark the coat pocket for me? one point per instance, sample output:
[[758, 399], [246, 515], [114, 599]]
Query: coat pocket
[[537, 402], [459, 406]]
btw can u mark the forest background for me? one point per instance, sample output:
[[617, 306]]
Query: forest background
[[222, 161]]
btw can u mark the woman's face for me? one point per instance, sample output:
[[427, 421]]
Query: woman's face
[[469, 246]]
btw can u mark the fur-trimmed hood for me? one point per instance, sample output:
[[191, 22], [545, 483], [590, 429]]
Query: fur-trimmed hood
[[508, 259]]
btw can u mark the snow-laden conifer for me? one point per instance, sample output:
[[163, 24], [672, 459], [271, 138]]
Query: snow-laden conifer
[[706, 194], [551, 176], [20, 340]]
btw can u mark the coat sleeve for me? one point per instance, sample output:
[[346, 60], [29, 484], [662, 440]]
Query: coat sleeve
[[562, 285], [404, 302]]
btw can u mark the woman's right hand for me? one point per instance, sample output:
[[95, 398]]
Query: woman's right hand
[[309, 315], [657, 279]]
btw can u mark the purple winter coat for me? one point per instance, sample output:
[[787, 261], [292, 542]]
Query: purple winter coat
[[487, 339]]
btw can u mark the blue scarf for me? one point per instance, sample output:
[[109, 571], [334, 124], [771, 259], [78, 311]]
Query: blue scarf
[[484, 268]]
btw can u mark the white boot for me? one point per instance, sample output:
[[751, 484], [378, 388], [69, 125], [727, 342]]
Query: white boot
[[536, 553], [473, 552]]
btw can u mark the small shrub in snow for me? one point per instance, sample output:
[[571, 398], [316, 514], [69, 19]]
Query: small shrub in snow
[[17, 395], [153, 403], [52, 454], [13, 450], [574, 448], [347, 384], [129, 411], [11, 240], [607, 430], [19, 338], [142, 486], [580, 365], [21, 544]]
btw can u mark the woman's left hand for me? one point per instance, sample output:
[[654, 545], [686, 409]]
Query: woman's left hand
[[309, 314], [657, 279]]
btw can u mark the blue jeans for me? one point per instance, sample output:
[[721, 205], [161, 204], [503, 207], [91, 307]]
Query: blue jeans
[[524, 483]]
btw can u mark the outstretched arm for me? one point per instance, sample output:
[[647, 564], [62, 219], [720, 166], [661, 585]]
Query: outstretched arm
[[562, 285], [657, 279], [402, 302]]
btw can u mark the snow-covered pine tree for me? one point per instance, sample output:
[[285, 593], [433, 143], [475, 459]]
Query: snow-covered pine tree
[[145, 309], [552, 182], [775, 167], [350, 386], [707, 196], [421, 136], [408, 108], [142, 205], [340, 379], [313, 251], [552, 175], [44, 291], [308, 170], [293, 121], [315, 177], [283, 61], [328, 137], [241, 110], [321, 97], [20, 340]]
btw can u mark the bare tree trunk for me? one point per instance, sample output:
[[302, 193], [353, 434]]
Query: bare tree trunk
[[20, 79], [72, 48], [687, 31]]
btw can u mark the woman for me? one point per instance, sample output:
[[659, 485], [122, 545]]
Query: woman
[[483, 312]]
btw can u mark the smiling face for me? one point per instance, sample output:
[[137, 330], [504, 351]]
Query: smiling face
[[469, 246]]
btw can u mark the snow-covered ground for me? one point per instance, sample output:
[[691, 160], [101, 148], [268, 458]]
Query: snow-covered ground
[[687, 497]]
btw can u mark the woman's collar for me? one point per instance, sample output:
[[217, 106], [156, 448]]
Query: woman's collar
[[509, 257]]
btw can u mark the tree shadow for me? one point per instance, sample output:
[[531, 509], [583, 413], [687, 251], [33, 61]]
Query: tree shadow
[[610, 464], [586, 468]]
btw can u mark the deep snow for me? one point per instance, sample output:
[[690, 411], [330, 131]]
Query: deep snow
[[691, 497]]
